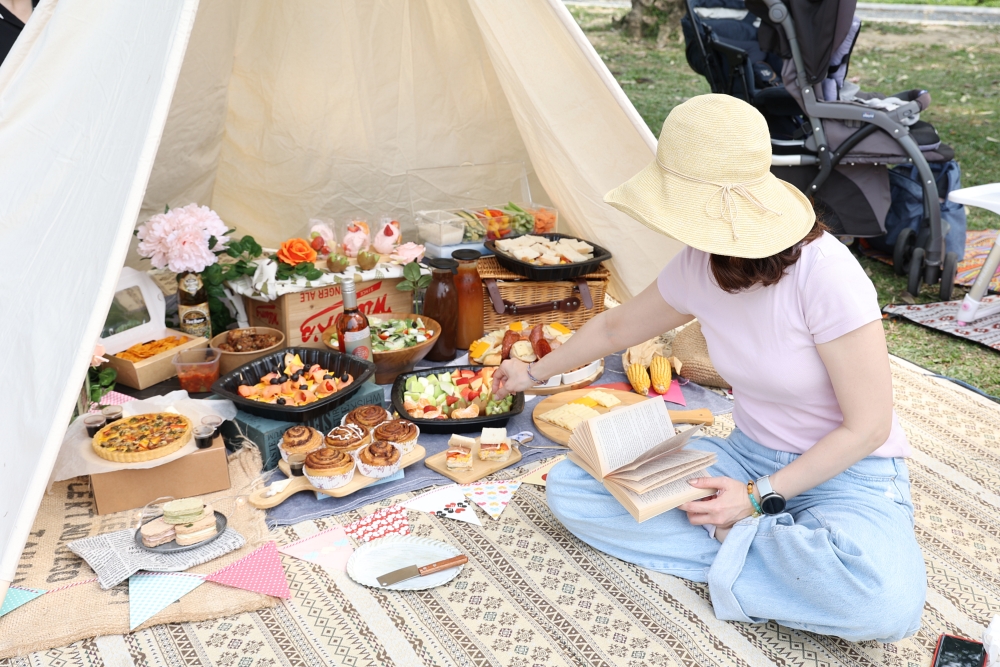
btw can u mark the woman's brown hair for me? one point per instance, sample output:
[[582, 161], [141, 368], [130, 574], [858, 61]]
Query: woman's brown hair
[[736, 274]]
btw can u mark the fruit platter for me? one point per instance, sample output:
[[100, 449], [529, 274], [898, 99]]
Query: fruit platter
[[453, 399], [295, 384]]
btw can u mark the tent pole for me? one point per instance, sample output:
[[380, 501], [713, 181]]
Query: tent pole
[[604, 73]]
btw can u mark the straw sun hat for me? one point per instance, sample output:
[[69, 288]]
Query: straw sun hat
[[710, 186]]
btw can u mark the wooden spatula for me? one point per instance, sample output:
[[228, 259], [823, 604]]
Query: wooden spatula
[[696, 416]]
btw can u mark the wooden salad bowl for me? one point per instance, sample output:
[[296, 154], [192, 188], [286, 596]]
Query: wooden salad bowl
[[388, 365], [230, 361]]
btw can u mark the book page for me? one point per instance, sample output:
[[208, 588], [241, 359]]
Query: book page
[[623, 435], [664, 477], [665, 448], [663, 497], [676, 459]]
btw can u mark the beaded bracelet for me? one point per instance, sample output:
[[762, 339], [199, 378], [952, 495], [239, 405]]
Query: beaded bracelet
[[533, 378], [757, 510]]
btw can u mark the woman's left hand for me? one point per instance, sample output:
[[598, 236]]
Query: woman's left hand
[[730, 504]]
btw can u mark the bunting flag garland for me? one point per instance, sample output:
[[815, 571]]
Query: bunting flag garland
[[386, 521], [19, 596], [538, 475], [151, 592], [329, 549], [492, 497], [446, 502], [260, 572]]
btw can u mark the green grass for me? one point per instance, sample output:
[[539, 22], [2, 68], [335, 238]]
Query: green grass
[[961, 68]]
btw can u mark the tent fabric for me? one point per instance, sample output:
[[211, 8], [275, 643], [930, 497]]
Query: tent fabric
[[270, 113], [81, 112]]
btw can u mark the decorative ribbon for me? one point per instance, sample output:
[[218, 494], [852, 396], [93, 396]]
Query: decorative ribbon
[[728, 210]]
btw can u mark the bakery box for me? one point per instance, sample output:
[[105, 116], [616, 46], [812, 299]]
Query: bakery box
[[200, 472], [136, 316], [304, 316], [510, 297]]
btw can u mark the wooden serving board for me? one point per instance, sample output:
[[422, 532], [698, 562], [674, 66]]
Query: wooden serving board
[[561, 435], [558, 389], [439, 463], [297, 484]]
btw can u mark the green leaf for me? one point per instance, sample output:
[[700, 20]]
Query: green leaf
[[423, 282], [404, 286], [212, 242], [314, 274], [303, 268], [232, 252], [106, 376], [166, 208], [412, 272]]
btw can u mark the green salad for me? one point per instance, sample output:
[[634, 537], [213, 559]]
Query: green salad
[[389, 335]]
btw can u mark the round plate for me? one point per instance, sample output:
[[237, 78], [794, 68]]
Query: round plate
[[172, 547], [392, 552]]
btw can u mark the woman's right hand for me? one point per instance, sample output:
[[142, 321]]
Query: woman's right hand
[[510, 378]]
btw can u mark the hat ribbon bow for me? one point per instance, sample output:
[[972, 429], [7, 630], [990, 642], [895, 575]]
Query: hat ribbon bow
[[728, 209]]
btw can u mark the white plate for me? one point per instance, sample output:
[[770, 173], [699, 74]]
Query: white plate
[[392, 552], [582, 373]]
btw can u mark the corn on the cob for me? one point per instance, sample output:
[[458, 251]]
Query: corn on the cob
[[659, 373], [639, 378]]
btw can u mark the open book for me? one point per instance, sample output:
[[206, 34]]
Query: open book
[[633, 450]]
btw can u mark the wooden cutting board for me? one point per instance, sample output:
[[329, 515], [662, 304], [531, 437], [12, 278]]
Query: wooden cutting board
[[260, 500], [559, 388], [561, 435], [439, 463]]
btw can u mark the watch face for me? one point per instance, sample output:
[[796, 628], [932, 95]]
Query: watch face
[[772, 504]]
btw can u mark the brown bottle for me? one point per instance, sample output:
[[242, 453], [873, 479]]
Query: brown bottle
[[470, 298], [192, 305], [354, 336], [441, 305]]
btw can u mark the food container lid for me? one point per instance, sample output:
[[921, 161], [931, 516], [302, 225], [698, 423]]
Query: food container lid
[[466, 255], [206, 355], [441, 263], [440, 217]]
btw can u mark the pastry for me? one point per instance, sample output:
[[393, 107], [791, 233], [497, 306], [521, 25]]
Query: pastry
[[569, 416], [142, 437], [379, 454], [459, 455], [494, 445], [408, 252], [196, 531], [348, 438], [328, 462], [184, 510], [357, 238], [387, 237], [367, 416], [300, 440], [156, 532], [399, 431]]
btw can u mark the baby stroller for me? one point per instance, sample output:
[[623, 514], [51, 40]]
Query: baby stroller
[[789, 59]]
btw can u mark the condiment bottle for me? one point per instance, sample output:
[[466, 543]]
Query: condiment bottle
[[354, 336], [441, 305], [192, 305], [470, 298]]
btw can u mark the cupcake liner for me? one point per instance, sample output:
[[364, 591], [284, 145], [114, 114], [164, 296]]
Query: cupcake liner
[[404, 447], [378, 472], [327, 483], [284, 454], [343, 420]]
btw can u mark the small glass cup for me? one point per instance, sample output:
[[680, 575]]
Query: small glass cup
[[94, 423], [214, 421], [112, 412], [204, 436], [295, 464]]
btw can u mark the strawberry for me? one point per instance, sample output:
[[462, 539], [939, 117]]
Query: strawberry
[[388, 230], [317, 243]]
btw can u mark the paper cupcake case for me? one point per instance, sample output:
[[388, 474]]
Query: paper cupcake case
[[378, 472], [403, 447], [327, 483]]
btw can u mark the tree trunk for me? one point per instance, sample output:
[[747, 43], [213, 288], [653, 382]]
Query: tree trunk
[[647, 17]]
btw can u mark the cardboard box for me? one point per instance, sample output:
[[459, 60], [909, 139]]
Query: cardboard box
[[200, 472], [304, 316], [137, 298]]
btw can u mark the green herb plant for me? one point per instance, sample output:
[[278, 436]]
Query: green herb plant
[[413, 280]]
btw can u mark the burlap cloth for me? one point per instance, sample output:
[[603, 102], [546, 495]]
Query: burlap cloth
[[690, 347], [67, 514]]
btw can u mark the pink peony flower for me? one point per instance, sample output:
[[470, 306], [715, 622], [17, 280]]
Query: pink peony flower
[[178, 239], [98, 357]]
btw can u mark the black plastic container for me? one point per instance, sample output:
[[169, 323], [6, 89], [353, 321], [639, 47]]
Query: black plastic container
[[251, 373], [451, 425], [555, 272]]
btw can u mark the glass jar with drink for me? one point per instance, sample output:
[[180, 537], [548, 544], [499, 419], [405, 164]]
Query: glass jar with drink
[[470, 298], [441, 305]]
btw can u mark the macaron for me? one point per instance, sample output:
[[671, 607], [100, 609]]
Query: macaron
[[185, 510], [198, 531], [156, 532]]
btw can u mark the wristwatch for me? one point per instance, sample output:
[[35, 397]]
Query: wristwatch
[[770, 501]]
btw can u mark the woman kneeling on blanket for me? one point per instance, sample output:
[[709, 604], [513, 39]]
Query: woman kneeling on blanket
[[825, 540]]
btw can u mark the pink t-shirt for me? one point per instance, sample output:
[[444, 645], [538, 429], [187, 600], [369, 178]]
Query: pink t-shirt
[[763, 341]]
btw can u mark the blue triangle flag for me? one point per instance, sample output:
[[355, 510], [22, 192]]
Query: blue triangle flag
[[150, 593], [17, 597]]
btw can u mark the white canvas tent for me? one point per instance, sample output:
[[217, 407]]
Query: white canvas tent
[[268, 112]]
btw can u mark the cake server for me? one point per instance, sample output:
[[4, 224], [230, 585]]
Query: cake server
[[411, 571]]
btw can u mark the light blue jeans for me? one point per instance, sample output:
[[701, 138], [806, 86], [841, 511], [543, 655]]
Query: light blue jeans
[[841, 560]]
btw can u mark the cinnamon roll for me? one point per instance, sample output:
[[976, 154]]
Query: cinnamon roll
[[379, 459], [367, 416], [399, 431], [300, 440], [348, 438], [328, 462]]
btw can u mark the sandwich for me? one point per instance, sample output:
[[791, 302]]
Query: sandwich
[[459, 455], [494, 445]]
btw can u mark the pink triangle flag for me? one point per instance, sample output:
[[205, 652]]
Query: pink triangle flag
[[330, 549], [260, 572]]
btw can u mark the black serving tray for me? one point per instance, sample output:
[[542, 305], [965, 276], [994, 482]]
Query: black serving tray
[[557, 272], [451, 425], [251, 373]]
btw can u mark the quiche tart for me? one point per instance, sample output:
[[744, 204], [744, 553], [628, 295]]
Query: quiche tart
[[142, 437]]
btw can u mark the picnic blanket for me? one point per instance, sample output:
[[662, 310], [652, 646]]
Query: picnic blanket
[[534, 595]]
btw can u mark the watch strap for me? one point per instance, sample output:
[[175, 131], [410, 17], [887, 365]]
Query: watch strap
[[764, 486]]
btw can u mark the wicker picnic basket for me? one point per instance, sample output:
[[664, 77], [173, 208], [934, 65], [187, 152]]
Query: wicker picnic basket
[[509, 297]]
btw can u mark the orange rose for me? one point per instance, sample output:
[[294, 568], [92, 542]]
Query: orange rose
[[296, 251]]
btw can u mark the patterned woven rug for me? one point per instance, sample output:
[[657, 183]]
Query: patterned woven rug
[[533, 595], [942, 315], [978, 243]]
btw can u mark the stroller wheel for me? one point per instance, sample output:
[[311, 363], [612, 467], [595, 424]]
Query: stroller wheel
[[916, 271], [948, 270], [901, 252]]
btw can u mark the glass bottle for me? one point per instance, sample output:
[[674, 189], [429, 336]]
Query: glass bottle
[[470, 298], [192, 305], [354, 336], [441, 305]]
